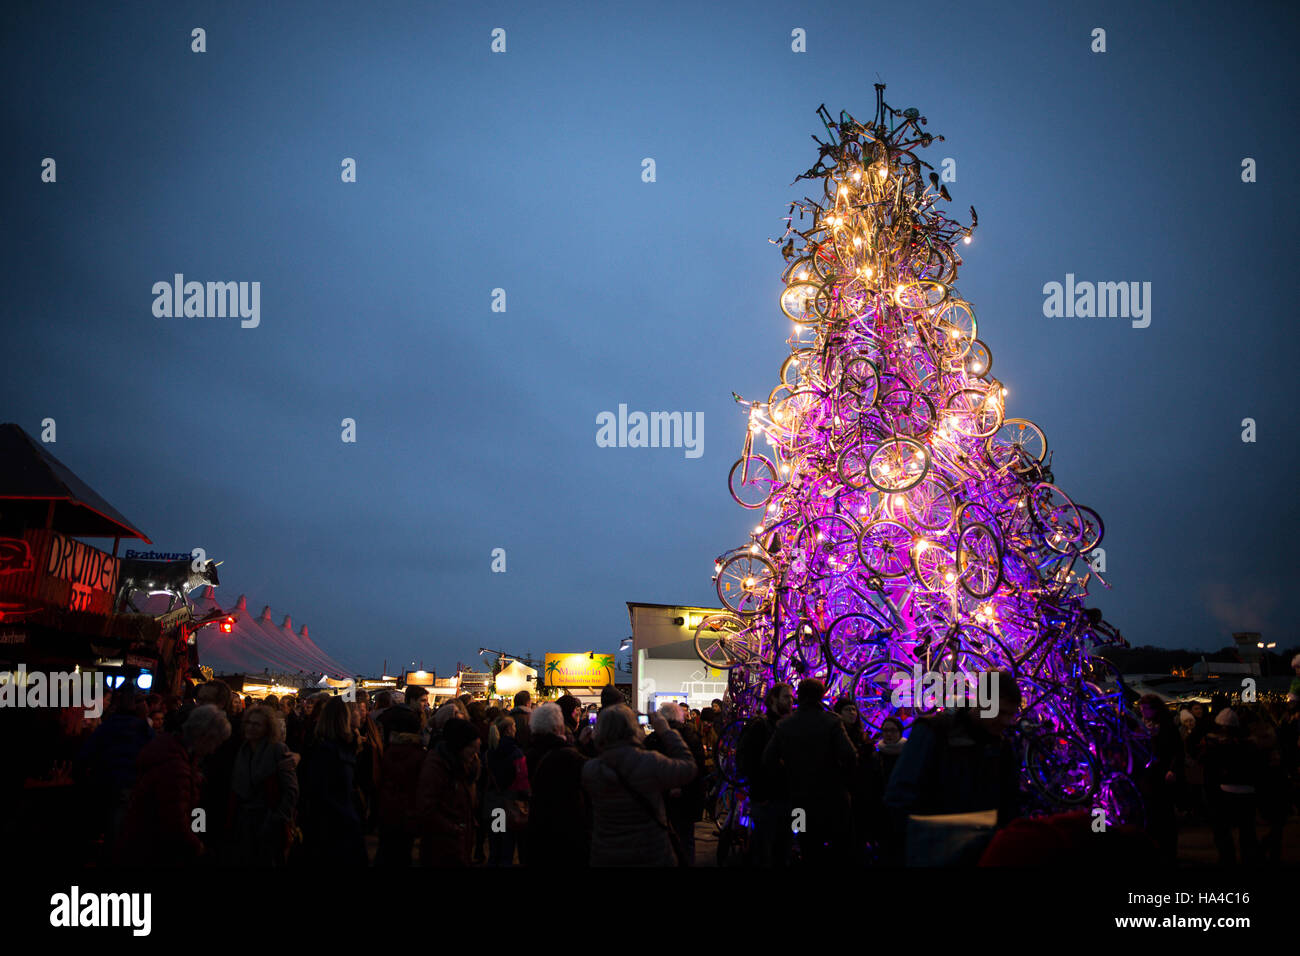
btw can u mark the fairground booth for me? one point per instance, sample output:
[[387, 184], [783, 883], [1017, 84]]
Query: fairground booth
[[665, 665], [584, 674], [58, 593]]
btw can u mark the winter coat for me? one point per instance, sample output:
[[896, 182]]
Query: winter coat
[[763, 786], [688, 803], [559, 822], [263, 799], [811, 751], [445, 801], [330, 822], [110, 753], [952, 765], [158, 830], [523, 733], [624, 833], [399, 779]]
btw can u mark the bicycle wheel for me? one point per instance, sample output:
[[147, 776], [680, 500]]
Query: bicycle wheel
[[851, 641], [885, 548], [1123, 801], [756, 489], [930, 505], [1061, 768], [799, 302], [744, 582], [1018, 445], [974, 412], [898, 464], [721, 641], [979, 560], [979, 360]]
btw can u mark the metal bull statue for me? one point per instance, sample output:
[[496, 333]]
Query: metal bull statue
[[175, 578]]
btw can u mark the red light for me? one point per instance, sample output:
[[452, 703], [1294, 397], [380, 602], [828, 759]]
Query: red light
[[228, 624]]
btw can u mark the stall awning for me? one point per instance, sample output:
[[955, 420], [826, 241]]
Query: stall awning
[[31, 480]]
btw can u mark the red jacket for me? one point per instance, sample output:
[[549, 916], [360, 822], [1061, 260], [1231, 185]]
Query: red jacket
[[158, 830], [446, 810]]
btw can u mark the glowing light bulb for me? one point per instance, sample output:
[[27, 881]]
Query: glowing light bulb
[[967, 240]]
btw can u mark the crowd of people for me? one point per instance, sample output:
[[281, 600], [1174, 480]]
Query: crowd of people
[[391, 781]]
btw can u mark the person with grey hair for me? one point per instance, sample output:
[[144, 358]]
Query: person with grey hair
[[158, 827], [264, 791], [684, 805], [560, 814], [627, 784]]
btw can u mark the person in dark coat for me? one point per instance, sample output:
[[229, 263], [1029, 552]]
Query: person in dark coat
[[522, 712], [685, 805], [958, 761], [218, 766], [107, 762], [559, 820], [263, 791], [399, 779], [768, 795], [507, 780], [1231, 778], [867, 783], [159, 826], [813, 753], [627, 784], [446, 797], [331, 823], [1159, 781]]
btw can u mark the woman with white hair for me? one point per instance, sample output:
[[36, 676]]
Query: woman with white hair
[[559, 821], [627, 783], [158, 829], [264, 790]]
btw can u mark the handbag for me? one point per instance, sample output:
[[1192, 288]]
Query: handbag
[[515, 806], [673, 838]]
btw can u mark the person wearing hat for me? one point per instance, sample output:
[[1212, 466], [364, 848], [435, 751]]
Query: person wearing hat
[[446, 796], [1231, 772]]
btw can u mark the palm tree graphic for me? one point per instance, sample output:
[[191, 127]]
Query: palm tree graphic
[[606, 661]]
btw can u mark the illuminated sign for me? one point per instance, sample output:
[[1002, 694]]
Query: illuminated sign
[[579, 670]]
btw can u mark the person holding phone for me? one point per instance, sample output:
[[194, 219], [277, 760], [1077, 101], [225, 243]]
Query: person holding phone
[[627, 783]]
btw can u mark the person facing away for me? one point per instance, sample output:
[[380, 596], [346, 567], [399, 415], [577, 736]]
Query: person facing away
[[446, 796], [507, 780], [684, 806], [959, 761], [108, 761], [559, 820], [769, 798], [812, 752], [627, 783], [158, 828], [332, 832], [263, 791], [521, 713]]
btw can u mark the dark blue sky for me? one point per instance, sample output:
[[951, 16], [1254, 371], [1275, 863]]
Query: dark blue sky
[[476, 429]]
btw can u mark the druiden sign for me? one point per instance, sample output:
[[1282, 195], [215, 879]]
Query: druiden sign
[[587, 669]]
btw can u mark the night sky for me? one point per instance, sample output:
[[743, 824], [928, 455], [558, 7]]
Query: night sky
[[522, 171]]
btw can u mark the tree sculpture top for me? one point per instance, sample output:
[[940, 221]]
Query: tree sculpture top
[[905, 521]]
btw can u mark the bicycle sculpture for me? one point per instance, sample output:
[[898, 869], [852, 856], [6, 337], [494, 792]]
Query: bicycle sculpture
[[903, 519]]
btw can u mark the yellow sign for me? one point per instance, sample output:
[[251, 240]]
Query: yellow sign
[[579, 670]]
